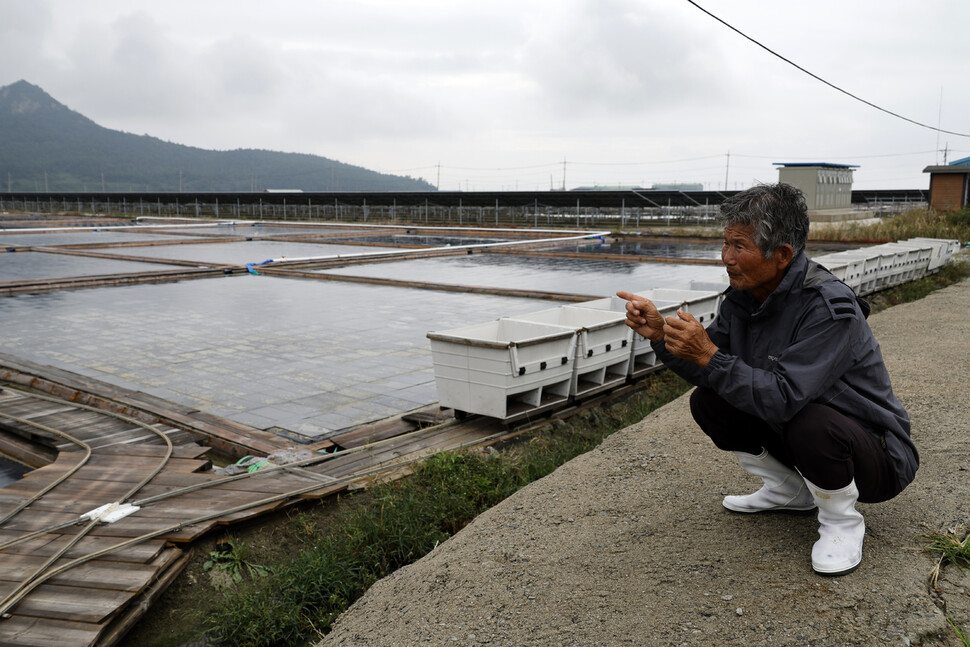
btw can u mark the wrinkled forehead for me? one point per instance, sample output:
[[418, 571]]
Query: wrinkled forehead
[[737, 232]]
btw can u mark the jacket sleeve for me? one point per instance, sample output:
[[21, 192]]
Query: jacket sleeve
[[718, 331], [806, 368]]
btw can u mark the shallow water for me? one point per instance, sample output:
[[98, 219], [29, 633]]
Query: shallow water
[[11, 471], [38, 265], [588, 277], [256, 229], [242, 252], [431, 241], [308, 356], [656, 249], [8, 239]]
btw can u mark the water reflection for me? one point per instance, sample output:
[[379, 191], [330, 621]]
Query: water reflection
[[239, 253], [429, 241], [655, 249], [38, 265], [551, 274], [77, 238]]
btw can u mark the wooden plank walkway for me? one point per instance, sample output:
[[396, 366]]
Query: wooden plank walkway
[[119, 568], [20, 413]]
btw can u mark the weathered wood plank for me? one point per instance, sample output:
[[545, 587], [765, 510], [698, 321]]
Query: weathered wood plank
[[120, 469], [96, 574], [26, 452], [47, 545], [29, 409], [177, 436], [68, 490], [130, 527], [44, 632], [125, 433], [178, 451], [69, 602], [133, 612]]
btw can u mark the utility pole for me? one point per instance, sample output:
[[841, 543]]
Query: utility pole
[[939, 118], [564, 173], [727, 167]]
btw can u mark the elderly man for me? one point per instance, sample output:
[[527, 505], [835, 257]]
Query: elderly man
[[790, 378]]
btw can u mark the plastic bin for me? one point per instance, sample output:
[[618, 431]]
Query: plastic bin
[[943, 250], [839, 269], [853, 266], [703, 304], [892, 265], [907, 262], [642, 357], [603, 345], [862, 270], [924, 252], [504, 368]]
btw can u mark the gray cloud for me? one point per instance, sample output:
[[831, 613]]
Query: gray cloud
[[620, 56]]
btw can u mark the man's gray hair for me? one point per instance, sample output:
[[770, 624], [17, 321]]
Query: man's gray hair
[[777, 212]]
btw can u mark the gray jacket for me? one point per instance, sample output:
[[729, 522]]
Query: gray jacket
[[808, 342]]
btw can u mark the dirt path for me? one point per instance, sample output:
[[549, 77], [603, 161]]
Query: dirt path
[[629, 544]]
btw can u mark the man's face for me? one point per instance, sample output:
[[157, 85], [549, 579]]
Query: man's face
[[746, 266]]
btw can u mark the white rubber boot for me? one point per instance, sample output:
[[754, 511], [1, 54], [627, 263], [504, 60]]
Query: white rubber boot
[[784, 488], [841, 530]]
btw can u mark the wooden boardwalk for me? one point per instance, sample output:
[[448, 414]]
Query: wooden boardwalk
[[65, 580]]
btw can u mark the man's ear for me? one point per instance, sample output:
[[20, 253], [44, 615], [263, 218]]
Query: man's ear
[[784, 255]]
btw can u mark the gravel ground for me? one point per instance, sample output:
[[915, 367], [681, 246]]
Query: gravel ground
[[629, 544]]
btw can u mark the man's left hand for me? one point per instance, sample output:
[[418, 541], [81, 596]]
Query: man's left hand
[[687, 339]]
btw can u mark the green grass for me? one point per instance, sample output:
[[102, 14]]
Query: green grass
[[948, 548], [405, 519], [961, 634]]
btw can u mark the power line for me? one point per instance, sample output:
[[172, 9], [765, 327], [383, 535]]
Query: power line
[[674, 161], [818, 78], [802, 157]]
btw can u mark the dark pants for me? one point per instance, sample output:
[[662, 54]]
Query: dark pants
[[828, 448]]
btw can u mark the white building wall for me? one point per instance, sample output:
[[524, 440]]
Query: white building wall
[[824, 187]]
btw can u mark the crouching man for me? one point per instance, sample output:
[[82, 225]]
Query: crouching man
[[790, 378]]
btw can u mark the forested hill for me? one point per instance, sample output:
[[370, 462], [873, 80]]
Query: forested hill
[[46, 146]]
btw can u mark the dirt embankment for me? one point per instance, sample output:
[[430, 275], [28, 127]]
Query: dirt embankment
[[629, 544]]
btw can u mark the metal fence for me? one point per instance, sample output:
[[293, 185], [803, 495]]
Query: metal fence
[[424, 213], [569, 209]]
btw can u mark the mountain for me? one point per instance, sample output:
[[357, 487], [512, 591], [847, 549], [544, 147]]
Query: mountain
[[46, 146]]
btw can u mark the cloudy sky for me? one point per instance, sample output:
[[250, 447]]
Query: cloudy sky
[[518, 94]]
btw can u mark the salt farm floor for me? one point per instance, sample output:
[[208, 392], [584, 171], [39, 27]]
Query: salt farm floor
[[300, 357]]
